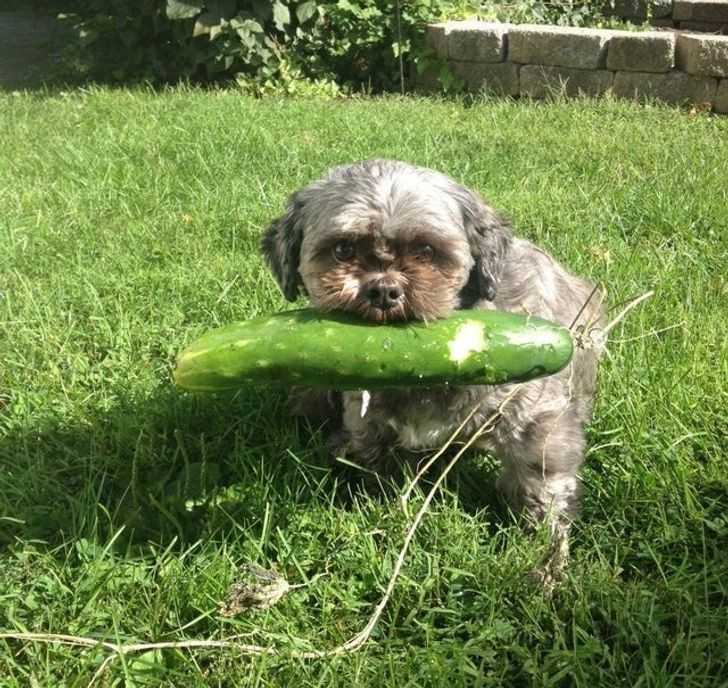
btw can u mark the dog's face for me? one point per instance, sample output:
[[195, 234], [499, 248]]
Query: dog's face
[[388, 260], [387, 241]]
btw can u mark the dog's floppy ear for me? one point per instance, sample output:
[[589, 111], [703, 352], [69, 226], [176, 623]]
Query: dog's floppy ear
[[489, 235], [281, 247]]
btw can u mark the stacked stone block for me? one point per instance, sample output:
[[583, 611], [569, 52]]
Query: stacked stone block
[[701, 15], [535, 61], [710, 16]]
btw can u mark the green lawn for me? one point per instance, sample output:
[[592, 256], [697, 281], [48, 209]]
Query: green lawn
[[129, 224]]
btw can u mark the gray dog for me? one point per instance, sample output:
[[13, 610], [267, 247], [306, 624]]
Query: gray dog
[[393, 242]]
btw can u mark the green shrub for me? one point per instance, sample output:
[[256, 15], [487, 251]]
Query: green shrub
[[280, 44], [167, 40], [594, 13], [355, 42], [361, 42]]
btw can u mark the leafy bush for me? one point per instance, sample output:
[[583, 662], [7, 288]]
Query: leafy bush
[[594, 13], [355, 42], [361, 42], [166, 40], [283, 45]]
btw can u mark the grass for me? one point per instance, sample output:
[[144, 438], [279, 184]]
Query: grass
[[130, 223]]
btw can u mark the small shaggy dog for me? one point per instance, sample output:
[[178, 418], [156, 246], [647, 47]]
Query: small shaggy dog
[[392, 242]]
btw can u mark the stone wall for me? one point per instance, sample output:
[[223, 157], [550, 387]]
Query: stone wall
[[688, 15], [534, 60]]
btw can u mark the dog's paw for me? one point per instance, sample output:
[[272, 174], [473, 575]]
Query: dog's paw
[[547, 577], [338, 445], [551, 572]]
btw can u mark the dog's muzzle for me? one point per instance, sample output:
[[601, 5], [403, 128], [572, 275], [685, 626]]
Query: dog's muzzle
[[383, 293]]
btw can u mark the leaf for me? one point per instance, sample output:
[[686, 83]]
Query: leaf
[[183, 9], [250, 25], [205, 23], [305, 11], [445, 77], [400, 48], [281, 15], [247, 30]]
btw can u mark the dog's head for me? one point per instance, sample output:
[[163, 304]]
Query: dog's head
[[388, 241]]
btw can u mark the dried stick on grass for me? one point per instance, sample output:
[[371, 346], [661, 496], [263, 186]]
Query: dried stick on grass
[[356, 641], [625, 310], [651, 333], [404, 498], [360, 638]]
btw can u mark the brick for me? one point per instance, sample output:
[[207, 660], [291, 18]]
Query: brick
[[641, 51], [704, 27], [682, 9], [673, 87], [721, 97], [540, 81], [703, 55], [436, 38], [701, 10], [558, 46], [496, 77], [477, 41]]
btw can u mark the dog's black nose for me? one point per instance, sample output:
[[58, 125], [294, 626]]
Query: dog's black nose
[[383, 293]]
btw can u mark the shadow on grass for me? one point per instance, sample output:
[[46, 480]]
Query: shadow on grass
[[185, 467], [145, 465]]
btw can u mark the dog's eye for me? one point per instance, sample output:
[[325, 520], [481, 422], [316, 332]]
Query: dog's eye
[[424, 252], [344, 250]]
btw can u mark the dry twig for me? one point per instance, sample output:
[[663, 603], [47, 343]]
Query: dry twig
[[354, 643]]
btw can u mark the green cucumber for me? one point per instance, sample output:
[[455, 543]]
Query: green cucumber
[[341, 351]]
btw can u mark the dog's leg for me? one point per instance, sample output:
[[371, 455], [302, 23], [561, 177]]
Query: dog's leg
[[364, 439], [539, 480], [317, 405]]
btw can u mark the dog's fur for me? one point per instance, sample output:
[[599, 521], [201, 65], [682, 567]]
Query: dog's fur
[[388, 213]]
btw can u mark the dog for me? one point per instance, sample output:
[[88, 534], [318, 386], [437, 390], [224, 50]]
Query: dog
[[393, 242]]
